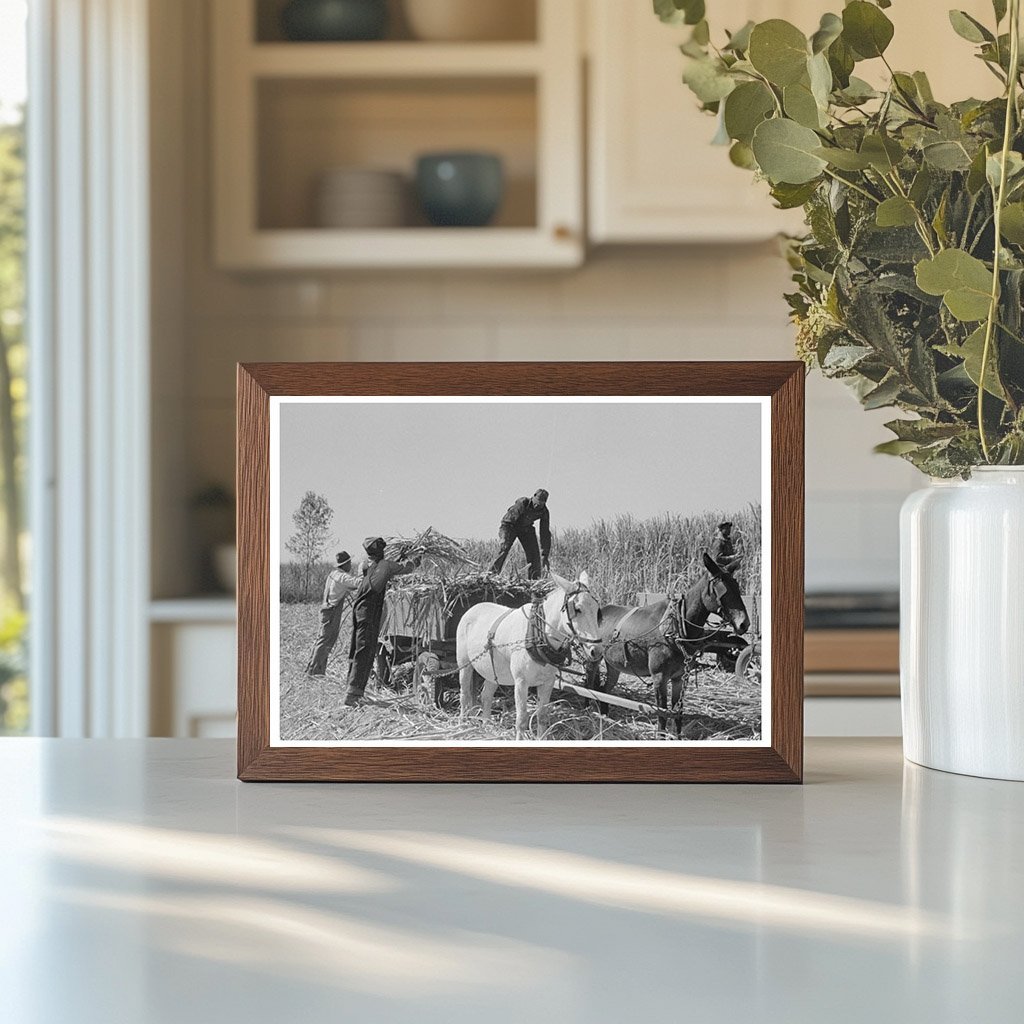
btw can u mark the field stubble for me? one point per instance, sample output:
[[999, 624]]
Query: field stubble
[[718, 707]]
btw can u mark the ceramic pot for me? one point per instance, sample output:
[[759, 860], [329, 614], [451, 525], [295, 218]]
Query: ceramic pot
[[470, 20], [962, 624], [460, 189], [334, 20]]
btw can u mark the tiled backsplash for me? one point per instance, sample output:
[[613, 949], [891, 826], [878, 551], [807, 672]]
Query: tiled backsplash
[[706, 303]]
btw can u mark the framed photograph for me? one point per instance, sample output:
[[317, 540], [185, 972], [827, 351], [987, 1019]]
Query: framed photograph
[[518, 572]]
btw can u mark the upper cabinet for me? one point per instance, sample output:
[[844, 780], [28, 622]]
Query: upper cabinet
[[653, 174], [316, 143]]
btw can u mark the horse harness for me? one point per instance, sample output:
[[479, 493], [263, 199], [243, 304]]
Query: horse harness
[[538, 643]]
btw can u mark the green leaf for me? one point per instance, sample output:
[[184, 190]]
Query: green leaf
[[896, 212], [785, 152], [1012, 225], [883, 153], [708, 80], [844, 159], [820, 76], [921, 185], [745, 108], [969, 28], [789, 197], [800, 105], [971, 352], [924, 87], [741, 155], [1014, 169], [830, 29], [976, 174], [778, 50], [739, 41], [895, 447], [866, 29], [963, 281], [884, 395], [946, 156], [841, 60], [676, 12]]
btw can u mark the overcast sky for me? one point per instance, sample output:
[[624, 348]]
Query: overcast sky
[[395, 469]]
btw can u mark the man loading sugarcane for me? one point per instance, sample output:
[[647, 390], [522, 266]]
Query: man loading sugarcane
[[723, 551], [367, 612], [517, 525], [339, 586]]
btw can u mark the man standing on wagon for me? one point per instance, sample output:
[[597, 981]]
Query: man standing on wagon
[[517, 525], [339, 586], [367, 612]]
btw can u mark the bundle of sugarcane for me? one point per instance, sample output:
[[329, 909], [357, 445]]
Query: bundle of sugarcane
[[432, 546]]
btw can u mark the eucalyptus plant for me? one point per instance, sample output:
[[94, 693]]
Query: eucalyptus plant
[[910, 278]]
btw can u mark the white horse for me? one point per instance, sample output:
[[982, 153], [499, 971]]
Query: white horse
[[492, 641]]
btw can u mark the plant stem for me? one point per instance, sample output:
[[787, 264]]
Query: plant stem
[[993, 309], [855, 187]]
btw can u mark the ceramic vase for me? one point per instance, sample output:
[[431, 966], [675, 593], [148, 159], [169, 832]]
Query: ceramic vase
[[962, 624]]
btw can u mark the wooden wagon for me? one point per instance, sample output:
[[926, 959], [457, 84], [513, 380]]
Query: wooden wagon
[[421, 616]]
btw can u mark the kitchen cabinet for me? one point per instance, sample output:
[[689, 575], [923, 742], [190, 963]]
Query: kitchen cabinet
[[287, 113], [653, 175]]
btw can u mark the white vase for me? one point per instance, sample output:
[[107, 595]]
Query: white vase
[[962, 624]]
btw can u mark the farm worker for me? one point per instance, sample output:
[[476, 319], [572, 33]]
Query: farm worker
[[723, 551], [339, 586], [517, 525], [367, 611]]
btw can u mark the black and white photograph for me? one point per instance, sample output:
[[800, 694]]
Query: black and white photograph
[[519, 570]]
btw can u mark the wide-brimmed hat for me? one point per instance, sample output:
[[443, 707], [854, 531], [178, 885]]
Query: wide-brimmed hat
[[342, 558], [374, 545]]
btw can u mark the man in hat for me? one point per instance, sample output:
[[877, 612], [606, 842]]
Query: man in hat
[[367, 612], [517, 525], [723, 551], [339, 586]]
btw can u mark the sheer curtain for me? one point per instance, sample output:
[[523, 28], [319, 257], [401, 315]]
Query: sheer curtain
[[88, 300]]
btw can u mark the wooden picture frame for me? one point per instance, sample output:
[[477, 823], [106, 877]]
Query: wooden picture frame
[[779, 759]]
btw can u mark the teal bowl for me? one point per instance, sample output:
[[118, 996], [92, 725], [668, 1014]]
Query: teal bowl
[[460, 190], [334, 21]]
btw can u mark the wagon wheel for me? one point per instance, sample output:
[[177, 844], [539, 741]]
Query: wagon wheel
[[748, 664]]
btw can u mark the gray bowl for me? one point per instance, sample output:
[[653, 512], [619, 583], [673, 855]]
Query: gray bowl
[[461, 190], [334, 20]]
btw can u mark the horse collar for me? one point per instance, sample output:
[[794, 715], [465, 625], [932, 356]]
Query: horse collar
[[538, 644]]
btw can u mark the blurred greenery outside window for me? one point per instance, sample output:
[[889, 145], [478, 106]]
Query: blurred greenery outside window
[[14, 689]]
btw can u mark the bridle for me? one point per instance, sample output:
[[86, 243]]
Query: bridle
[[574, 633]]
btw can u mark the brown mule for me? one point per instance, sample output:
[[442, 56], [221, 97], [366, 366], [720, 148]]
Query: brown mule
[[634, 641]]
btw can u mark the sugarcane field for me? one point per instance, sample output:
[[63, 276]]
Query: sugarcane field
[[573, 628]]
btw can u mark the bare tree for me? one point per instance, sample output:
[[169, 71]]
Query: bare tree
[[312, 521]]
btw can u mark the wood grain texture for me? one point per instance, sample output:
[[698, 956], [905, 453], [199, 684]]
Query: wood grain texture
[[852, 650], [671, 762]]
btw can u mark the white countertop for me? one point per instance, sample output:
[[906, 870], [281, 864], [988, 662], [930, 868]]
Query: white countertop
[[143, 885]]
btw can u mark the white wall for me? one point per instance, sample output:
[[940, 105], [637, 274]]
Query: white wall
[[665, 303]]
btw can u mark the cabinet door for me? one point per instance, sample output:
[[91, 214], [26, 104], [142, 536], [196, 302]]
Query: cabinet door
[[654, 175]]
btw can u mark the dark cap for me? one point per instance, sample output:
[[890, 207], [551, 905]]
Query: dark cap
[[374, 546], [541, 494], [725, 526], [342, 558]]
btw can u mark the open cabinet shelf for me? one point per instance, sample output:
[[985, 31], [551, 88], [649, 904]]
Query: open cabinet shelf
[[287, 114]]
